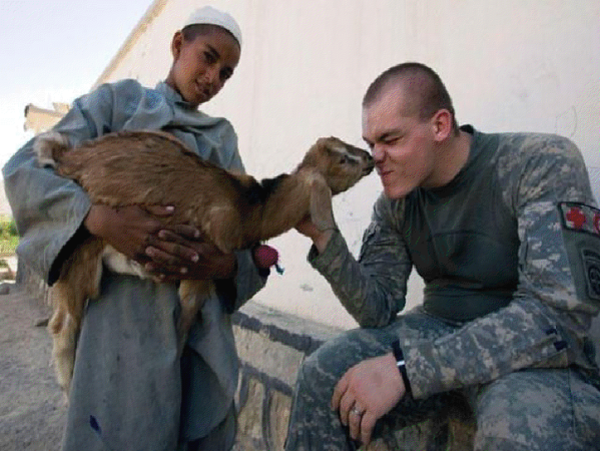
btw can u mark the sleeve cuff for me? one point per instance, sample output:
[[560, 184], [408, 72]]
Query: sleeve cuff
[[80, 235], [425, 376], [324, 260], [74, 234]]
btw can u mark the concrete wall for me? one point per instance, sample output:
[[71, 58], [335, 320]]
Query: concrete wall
[[516, 65]]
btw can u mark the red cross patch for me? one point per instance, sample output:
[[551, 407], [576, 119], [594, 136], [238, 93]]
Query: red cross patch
[[580, 217], [575, 218]]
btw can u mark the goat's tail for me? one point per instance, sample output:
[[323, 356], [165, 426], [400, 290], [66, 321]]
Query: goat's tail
[[49, 147]]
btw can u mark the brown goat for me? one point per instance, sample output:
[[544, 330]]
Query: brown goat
[[233, 211]]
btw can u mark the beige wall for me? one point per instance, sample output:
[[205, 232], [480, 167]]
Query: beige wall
[[515, 65], [39, 120]]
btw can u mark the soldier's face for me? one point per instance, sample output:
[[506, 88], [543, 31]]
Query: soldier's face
[[202, 66], [402, 144]]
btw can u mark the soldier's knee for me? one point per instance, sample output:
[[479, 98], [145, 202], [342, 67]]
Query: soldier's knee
[[537, 410], [329, 362], [488, 443]]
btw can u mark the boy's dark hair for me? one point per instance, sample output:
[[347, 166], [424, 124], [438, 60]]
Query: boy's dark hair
[[426, 91], [191, 32]]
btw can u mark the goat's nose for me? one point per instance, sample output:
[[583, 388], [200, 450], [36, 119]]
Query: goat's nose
[[369, 166]]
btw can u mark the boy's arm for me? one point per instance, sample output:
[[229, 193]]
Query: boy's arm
[[49, 210]]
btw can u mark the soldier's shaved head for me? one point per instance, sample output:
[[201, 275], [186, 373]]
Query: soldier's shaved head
[[424, 91]]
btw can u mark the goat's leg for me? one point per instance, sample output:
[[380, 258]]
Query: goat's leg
[[321, 209], [79, 281], [64, 330], [192, 295]]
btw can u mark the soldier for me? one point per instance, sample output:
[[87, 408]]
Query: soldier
[[505, 232]]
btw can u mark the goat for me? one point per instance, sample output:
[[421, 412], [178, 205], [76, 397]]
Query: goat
[[233, 211]]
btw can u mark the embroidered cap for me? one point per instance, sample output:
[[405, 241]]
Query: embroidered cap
[[212, 16]]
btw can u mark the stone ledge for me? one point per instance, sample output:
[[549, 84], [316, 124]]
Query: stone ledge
[[298, 333], [271, 346]]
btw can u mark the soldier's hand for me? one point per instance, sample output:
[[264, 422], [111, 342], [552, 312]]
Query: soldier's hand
[[365, 393], [320, 238]]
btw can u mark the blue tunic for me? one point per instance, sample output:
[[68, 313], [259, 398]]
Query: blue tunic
[[127, 377]]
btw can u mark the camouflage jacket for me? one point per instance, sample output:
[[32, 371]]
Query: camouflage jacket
[[509, 251]]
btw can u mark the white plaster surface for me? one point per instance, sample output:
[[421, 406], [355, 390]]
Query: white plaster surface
[[510, 66]]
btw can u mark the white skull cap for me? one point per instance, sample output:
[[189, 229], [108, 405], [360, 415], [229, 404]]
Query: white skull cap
[[211, 16]]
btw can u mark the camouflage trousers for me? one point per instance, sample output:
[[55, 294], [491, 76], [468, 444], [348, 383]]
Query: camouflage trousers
[[527, 410]]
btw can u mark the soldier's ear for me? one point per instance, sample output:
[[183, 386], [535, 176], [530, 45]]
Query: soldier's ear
[[442, 124]]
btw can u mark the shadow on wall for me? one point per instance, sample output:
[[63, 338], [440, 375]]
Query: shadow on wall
[[594, 173]]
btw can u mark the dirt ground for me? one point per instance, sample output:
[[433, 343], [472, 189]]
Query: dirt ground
[[32, 411]]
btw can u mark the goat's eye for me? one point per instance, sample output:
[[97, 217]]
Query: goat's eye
[[347, 159]]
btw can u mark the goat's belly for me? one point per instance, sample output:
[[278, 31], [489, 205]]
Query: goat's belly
[[117, 262]]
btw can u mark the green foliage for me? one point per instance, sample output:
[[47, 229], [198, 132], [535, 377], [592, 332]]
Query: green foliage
[[9, 236]]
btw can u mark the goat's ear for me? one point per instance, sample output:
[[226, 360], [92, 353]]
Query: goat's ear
[[321, 211]]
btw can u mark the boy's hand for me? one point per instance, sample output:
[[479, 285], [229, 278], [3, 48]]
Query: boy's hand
[[174, 254], [128, 229], [180, 254]]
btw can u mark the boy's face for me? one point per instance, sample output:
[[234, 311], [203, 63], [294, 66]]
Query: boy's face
[[202, 66]]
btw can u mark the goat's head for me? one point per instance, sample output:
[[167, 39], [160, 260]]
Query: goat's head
[[341, 164]]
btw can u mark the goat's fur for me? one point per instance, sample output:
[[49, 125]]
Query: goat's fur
[[233, 211]]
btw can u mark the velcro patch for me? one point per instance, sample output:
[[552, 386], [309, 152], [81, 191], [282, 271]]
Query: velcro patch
[[579, 217], [591, 263], [581, 231]]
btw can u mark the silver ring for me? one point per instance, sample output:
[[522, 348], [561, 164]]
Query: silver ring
[[355, 411]]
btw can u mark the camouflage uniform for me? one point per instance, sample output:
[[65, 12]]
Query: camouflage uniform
[[510, 254]]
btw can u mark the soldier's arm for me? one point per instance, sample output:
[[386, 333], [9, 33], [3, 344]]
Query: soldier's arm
[[546, 323], [373, 289]]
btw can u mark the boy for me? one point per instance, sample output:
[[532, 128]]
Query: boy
[[129, 389]]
